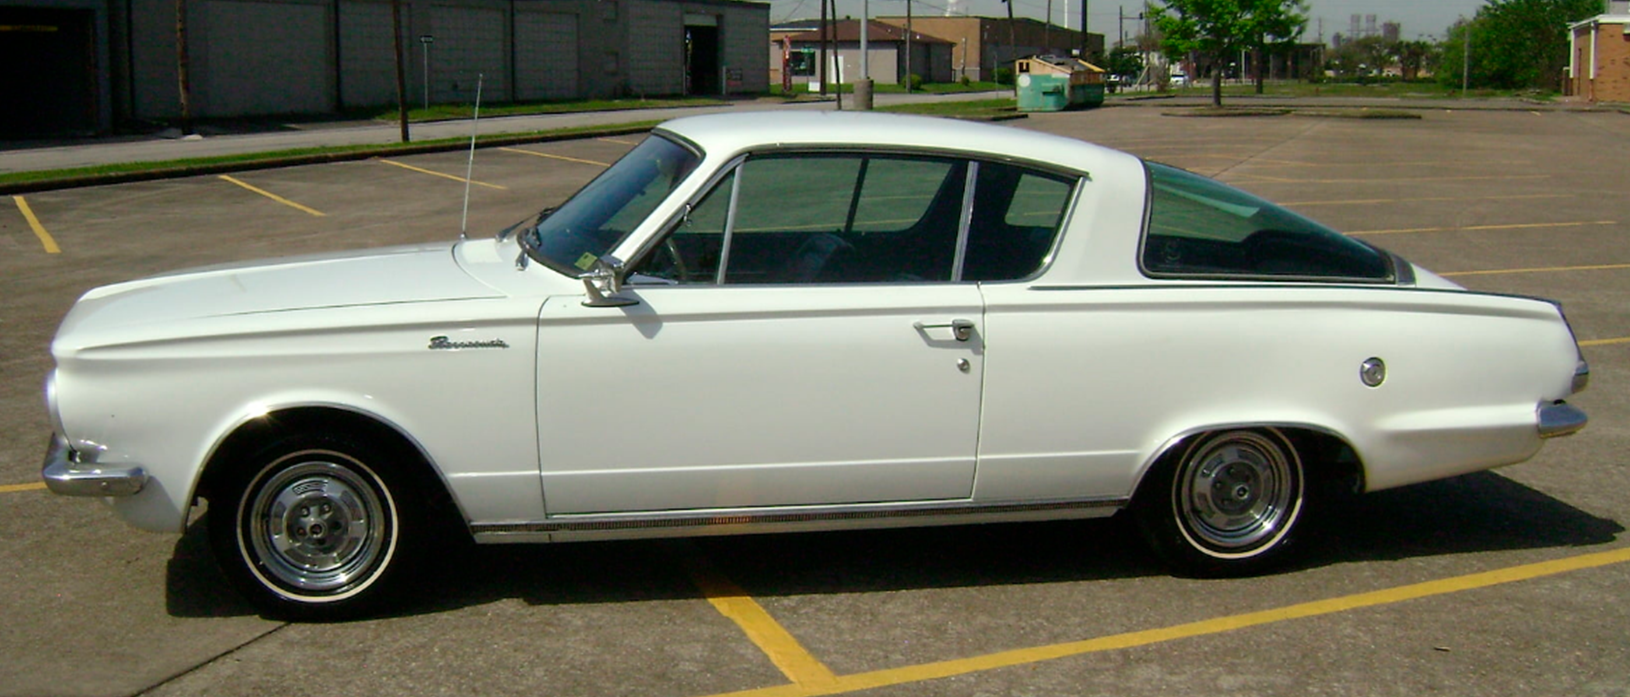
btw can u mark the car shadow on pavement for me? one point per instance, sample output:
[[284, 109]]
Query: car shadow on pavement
[[1473, 513], [1478, 512]]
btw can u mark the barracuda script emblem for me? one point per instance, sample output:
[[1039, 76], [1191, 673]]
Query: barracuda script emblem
[[442, 343]]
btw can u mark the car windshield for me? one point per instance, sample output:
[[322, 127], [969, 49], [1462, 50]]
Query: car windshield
[[591, 223]]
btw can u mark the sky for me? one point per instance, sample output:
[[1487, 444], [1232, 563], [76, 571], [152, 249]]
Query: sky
[[1420, 18]]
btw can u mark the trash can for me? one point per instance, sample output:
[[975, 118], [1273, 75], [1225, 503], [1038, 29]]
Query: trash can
[[1056, 83]]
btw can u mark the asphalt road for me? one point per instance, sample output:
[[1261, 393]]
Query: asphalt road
[[1499, 583]]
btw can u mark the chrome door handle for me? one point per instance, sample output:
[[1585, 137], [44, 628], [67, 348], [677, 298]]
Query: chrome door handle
[[962, 329]]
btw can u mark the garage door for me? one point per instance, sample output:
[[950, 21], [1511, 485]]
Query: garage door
[[545, 55], [265, 58]]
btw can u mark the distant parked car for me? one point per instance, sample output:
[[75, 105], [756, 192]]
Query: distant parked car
[[1179, 79], [757, 323]]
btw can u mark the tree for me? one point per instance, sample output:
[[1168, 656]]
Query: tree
[[1515, 44], [1412, 57], [1216, 30], [1124, 61]]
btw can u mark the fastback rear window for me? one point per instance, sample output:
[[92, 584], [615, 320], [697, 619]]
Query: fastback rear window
[[1201, 228]]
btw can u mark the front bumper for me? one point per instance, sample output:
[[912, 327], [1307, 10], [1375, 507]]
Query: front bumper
[[65, 475], [1559, 418]]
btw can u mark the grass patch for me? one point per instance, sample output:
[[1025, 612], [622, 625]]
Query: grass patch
[[975, 108], [18, 182], [1380, 90], [452, 112], [891, 88]]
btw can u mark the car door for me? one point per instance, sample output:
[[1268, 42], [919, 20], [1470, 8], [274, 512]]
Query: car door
[[797, 340]]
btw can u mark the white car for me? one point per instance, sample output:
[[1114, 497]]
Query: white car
[[758, 323]]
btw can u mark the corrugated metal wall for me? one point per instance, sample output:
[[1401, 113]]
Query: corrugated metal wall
[[262, 57]]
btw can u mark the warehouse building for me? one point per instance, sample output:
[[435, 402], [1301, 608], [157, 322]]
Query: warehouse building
[[96, 63]]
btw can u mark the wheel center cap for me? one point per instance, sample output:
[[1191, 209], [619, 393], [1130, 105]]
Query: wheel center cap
[[1242, 492]]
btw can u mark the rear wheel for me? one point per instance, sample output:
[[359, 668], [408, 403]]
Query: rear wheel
[[1228, 504], [316, 527]]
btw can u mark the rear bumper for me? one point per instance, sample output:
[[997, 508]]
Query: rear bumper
[[1559, 419], [65, 475]]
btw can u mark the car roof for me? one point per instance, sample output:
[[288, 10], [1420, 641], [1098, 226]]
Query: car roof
[[736, 132]]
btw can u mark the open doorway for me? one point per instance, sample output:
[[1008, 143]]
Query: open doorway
[[702, 57], [51, 74]]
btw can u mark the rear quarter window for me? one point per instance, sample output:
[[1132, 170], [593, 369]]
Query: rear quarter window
[[1201, 228]]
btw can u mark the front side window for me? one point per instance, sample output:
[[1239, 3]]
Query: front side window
[[863, 218], [591, 223], [1201, 228], [818, 218]]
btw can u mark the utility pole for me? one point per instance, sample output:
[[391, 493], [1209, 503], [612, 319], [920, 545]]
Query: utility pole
[[1086, 43], [821, 69], [1012, 49], [401, 71], [183, 66], [908, 47]]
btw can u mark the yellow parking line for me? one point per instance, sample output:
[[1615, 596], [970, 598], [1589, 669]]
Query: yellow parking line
[[1373, 201], [619, 142], [1514, 226], [1421, 163], [1538, 269], [1003, 659], [555, 157], [795, 662], [1390, 180], [433, 173], [273, 196], [10, 488], [1605, 342], [34, 224]]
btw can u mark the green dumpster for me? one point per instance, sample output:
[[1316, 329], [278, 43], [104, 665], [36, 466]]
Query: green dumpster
[[1055, 83]]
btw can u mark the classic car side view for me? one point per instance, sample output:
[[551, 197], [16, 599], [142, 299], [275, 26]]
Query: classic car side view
[[806, 322]]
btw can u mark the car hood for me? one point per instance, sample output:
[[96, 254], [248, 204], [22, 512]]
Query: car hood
[[409, 274]]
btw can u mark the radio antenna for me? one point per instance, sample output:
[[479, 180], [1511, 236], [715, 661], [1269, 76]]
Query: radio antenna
[[469, 168]]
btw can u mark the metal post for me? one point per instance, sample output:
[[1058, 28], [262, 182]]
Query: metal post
[[425, 41]]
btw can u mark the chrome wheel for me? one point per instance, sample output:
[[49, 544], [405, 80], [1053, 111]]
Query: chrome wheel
[[318, 526], [1236, 491], [1227, 504]]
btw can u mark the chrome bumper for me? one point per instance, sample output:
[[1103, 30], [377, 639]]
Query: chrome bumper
[[65, 475], [1559, 419]]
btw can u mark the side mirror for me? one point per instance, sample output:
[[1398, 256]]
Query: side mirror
[[603, 282]]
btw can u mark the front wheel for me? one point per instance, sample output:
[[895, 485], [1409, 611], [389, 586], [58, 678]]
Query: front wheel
[[315, 527], [1227, 505]]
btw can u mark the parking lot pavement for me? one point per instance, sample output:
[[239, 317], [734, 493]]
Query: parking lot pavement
[[1506, 582]]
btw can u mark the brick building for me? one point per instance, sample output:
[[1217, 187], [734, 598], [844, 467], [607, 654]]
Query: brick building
[[980, 45], [1599, 56]]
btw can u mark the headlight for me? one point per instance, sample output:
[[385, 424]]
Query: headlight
[[51, 404]]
